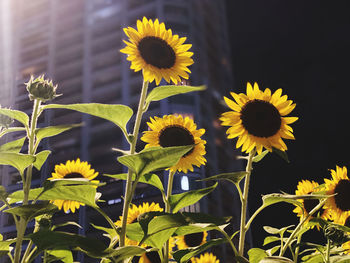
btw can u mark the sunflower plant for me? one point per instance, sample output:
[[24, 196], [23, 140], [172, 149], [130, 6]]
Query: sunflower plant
[[162, 232]]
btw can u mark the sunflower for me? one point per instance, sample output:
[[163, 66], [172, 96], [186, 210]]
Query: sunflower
[[133, 213], [206, 258], [306, 187], [339, 186], [72, 170], [191, 240], [258, 119], [158, 52], [174, 130]]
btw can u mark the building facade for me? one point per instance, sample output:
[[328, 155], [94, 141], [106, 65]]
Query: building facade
[[77, 43]]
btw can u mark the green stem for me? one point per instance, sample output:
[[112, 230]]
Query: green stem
[[128, 190], [244, 202], [229, 240], [168, 210], [295, 231], [296, 255], [253, 216], [22, 225], [328, 250]]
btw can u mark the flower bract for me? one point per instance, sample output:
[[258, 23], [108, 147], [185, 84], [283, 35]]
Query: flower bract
[[174, 130], [258, 119], [159, 53], [72, 170]]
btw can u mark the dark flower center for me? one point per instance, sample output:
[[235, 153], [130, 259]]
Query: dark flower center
[[157, 52], [153, 257], [175, 136], [194, 239], [342, 199], [73, 176], [260, 118]]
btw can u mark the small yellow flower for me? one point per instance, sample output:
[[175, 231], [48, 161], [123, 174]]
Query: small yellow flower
[[133, 213], [339, 204], [174, 130], [258, 119], [72, 170], [306, 187], [158, 52], [206, 258]]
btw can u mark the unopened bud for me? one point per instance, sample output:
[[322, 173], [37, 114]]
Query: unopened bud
[[41, 89]]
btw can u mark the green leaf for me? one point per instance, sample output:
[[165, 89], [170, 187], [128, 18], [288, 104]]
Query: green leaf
[[64, 255], [18, 195], [18, 160], [41, 158], [84, 193], [11, 129], [233, 177], [47, 239], [260, 156], [256, 255], [121, 253], [17, 115], [13, 146], [270, 239], [281, 154], [151, 179], [50, 131], [162, 92], [118, 114], [5, 246], [182, 200], [29, 212], [110, 232], [3, 193], [154, 159], [185, 255], [340, 259]]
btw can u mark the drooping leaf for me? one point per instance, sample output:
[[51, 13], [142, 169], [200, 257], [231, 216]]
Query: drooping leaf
[[188, 198], [29, 212], [5, 246], [151, 179], [233, 177], [270, 239], [121, 253], [162, 92], [260, 156], [50, 131], [110, 232], [64, 255], [18, 160], [40, 159], [293, 199], [47, 239], [17, 115], [185, 255], [118, 114], [13, 146], [282, 154], [256, 255], [154, 159], [3, 193], [11, 129]]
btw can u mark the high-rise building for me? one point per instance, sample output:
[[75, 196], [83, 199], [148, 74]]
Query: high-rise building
[[77, 43]]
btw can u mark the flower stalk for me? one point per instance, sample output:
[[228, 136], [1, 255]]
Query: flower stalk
[[128, 189], [27, 180], [244, 202]]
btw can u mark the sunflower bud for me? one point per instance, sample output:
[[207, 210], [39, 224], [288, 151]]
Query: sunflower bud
[[335, 235], [41, 89]]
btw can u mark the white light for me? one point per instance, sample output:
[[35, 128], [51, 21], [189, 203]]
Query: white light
[[184, 183]]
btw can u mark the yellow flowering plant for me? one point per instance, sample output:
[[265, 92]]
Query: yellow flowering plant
[[163, 232]]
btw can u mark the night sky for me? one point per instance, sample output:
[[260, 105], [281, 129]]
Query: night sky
[[303, 48]]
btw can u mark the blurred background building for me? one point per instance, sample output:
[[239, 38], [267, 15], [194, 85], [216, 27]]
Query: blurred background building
[[76, 43]]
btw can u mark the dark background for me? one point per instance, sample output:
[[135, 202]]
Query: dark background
[[303, 48]]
